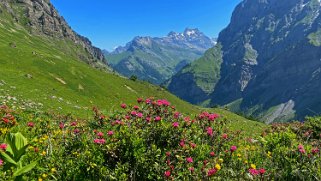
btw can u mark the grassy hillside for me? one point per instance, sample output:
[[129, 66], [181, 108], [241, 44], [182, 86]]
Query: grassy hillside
[[43, 73], [196, 81], [206, 69], [36, 68]]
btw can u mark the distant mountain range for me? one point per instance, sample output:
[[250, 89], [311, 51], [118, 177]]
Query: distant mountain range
[[157, 59], [267, 62]]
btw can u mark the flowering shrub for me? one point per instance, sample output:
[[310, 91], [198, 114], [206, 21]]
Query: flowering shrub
[[153, 141]]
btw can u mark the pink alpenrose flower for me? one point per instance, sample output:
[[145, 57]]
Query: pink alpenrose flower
[[189, 160], [167, 173], [233, 148], [175, 124]]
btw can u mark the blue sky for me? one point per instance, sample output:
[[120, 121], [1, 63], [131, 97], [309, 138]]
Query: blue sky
[[109, 23]]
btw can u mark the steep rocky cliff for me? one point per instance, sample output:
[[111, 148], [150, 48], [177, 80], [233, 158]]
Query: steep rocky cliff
[[271, 60], [41, 18]]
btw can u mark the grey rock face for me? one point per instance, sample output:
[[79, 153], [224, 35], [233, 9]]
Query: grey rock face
[[272, 56]]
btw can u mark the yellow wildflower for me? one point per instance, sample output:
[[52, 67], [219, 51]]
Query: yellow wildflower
[[253, 166], [3, 130], [57, 132], [43, 153], [44, 175], [218, 167], [220, 160], [39, 179], [53, 170], [269, 154]]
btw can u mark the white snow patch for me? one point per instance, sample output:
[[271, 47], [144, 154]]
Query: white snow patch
[[190, 32]]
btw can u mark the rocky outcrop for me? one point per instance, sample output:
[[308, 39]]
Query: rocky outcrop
[[40, 17]]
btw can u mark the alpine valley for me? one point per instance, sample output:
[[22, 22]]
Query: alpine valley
[[46, 66], [157, 59]]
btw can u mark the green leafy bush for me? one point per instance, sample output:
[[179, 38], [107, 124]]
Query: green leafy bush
[[13, 153]]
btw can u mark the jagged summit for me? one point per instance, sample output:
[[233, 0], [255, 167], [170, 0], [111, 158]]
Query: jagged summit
[[188, 32]]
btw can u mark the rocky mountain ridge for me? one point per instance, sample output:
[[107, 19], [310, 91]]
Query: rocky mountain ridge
[[40, 17]]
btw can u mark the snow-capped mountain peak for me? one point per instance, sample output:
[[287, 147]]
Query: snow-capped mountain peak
[[190, 38]]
